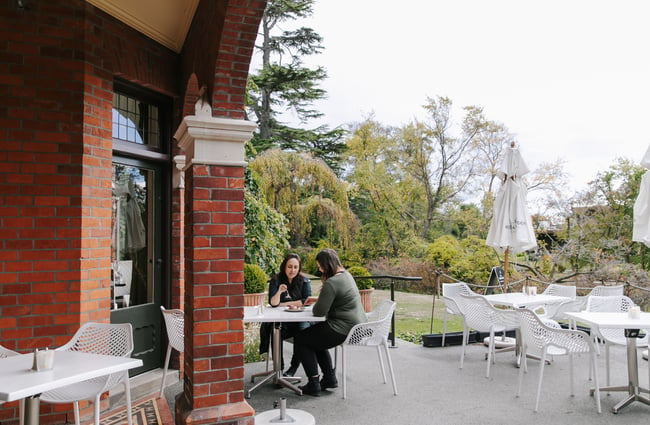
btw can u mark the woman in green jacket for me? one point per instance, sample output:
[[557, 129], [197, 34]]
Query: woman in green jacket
[[340, 303]]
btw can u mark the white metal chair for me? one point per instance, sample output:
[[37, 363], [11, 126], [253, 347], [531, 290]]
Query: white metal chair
[[612, 303], [543, 340], [600, 291], [5, 352], [449, 292], [556, 311], [482, 316], [373, 333], [175, 326], [98, 338]]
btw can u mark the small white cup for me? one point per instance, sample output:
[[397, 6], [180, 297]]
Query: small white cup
[[635, 312]]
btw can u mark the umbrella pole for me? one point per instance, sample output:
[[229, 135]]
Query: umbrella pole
[[505, 270]]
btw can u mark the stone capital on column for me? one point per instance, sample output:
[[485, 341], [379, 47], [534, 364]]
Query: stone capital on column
[[210, 140]]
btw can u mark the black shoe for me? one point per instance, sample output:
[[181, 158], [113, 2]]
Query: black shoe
[[312, 387], [329, 381], [291, 371]]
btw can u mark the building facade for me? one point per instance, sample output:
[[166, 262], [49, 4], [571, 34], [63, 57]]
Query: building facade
[[121, 183]]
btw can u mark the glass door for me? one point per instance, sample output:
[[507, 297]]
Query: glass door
[[138, 246]]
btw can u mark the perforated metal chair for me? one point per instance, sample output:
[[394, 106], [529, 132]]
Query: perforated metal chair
[[609, 336], [543, 340], [557, 311], [449, 292], [97, 338], [481, 316], [373, 333], [5, 352], [175, 326]]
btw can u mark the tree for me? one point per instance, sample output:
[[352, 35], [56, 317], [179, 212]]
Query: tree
[[384, 198], [306, 191], [285, 85], [599, 228], [266, 235], [440, 163]]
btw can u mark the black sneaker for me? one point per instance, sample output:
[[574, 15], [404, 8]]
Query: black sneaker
[[312, 387], [290, 372], [329, 381]]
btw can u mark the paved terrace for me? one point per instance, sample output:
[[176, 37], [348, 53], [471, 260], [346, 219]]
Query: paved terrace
[[433, 390]]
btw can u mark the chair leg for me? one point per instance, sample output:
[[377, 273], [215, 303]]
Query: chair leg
[[343, 372], [607, 363], [541, 377], [522, 368], [127, 392], [444, 327], [164, 377], [462, 352], [390, 367], [490, 353], [597, 385], [381, 364]]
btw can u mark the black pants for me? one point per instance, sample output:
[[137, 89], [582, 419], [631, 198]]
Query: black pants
[[312, 346]]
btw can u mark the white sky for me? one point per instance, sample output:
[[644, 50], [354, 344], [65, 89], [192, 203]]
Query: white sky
[[570, 78]]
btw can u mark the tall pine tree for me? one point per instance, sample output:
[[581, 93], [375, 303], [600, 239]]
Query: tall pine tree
[[284, 84]]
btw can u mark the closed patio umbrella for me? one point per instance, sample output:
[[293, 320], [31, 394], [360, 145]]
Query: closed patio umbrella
[[511, 229], [641, 226]]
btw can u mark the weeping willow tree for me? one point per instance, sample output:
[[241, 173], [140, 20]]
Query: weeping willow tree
[[306, 191]]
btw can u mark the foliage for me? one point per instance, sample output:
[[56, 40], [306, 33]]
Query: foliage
[[357, 271], [285, 85], [306, 191], [443, 251], [254, 279], [266, 233], [598, 229]]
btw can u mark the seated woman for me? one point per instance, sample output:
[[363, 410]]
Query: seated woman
[[340, 302], [288, 287]]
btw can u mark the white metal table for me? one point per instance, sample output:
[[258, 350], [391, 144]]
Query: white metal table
[[18, 380], [632, 328], [278, 315], [521, 300]]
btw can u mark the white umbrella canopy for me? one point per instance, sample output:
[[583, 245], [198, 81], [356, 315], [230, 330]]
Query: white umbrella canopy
[[511, 229], [641, 226]]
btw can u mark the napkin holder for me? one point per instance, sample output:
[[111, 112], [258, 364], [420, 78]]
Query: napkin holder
[[43, 360]]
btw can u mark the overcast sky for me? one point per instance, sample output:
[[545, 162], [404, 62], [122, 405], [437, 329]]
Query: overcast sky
[[570, 78]]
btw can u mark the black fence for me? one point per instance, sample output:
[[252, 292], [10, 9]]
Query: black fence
[[391, 282]]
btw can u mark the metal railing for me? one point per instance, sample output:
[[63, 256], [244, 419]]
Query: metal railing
[[391, 284]]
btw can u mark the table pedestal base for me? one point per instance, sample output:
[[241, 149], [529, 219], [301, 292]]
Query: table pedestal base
[[633, 389], [276, 373]]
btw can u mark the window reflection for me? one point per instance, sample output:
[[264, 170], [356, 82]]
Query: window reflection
[[130, 225]]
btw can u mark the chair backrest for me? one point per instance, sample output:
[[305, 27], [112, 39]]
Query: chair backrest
[[5, 352], [373, 332], [175, 325], [480, 315], [560, 290], [536, 335], [112, 339], [611, 303], [452, 290], [603, 291]]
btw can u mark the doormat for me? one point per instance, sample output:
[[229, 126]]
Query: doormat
[[147, 412]]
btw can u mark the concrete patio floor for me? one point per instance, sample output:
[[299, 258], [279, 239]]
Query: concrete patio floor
[[432, 389]]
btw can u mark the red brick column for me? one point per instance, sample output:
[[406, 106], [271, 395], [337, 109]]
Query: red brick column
[[214, 262]]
